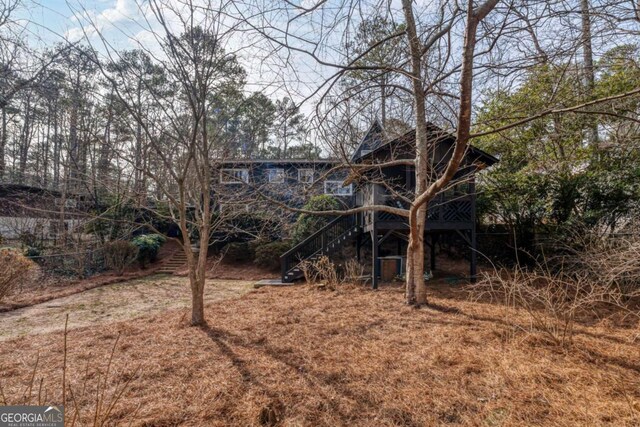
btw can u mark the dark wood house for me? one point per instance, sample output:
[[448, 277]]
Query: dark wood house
[[291, 181], [452, 212]]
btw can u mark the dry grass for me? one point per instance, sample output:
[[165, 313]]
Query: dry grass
[[555, 302], [48, 288], [112, 303], [302, 357]]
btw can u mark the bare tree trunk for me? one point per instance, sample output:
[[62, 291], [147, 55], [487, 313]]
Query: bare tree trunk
[[3, 141], [45, 154], [74, 149], [415, 286], [383, 100], [56, 150], [105, 150], [138, 184], [589, 72], [25, 137], [416, 289], [197, 281]]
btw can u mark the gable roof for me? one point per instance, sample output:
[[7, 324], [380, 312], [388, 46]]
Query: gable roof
[[373, 139], [437, 132]]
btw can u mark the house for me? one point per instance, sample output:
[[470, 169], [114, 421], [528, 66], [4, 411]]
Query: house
[[451, 213], [35, 213], [291, 181]]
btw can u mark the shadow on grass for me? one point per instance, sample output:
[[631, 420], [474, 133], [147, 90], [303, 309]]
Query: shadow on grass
[[226, 341]]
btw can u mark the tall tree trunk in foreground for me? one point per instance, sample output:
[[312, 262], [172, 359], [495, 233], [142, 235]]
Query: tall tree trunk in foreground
[[415, 286], [416, 292]]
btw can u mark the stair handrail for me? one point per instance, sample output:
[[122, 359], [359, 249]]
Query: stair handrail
[[284, 258], [311, 237]]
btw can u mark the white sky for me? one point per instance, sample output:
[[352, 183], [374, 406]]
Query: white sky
[[125, 23]]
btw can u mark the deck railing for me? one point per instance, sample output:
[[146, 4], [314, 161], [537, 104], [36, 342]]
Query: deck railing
[[443, 208]]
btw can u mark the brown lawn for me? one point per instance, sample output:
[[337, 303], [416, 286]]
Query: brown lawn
[[113, 302], [355, 357]]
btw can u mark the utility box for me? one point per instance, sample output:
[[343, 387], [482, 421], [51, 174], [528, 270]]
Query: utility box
[[390, 267]]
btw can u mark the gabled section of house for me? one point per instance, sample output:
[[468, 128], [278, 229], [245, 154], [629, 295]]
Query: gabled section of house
[[451, 213]]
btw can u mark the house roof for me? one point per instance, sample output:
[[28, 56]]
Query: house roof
[[373, 139], [278, 161], [410, 136]]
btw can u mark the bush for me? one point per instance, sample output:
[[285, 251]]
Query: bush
[[266, 227], [268, 255], [239, 252], [28, 239], [306, 224], [14, 270], [148, 247], [118, 254], [31, 252], [322, 271]]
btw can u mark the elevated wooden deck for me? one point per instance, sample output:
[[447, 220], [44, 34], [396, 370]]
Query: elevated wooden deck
[[456, 212]]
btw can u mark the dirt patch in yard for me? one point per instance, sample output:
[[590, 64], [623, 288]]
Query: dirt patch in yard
[[114, 302]]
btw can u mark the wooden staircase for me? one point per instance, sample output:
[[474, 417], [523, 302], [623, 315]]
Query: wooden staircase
[[177, 260], [329, 239]]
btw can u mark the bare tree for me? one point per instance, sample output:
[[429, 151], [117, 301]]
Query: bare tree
[[180, 134]]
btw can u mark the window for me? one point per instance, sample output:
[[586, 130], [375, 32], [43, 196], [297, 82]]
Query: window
[[276, 175], [68, 203], [305, 176], [337, 188], [232, 208], [234, 176]]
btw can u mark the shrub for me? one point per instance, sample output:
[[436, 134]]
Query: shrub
[[321, 271], [1, 239], [596, 272], [352, 270], [268, 255], [266, 227], [28, 239], [31, 252], [306, 224], [14, 270], [148, 247], [118, 254], [238, 252]]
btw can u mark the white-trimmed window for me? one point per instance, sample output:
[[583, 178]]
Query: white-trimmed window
[[337, 188], [234, 176], [276, 175], [305, 176], [68, 203]]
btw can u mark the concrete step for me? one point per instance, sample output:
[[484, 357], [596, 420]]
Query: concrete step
[[177, 260]]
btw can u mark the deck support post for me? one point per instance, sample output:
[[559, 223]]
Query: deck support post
[[473, 276], [358, 247], [374, 258], [473, 258], [432, 252]]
